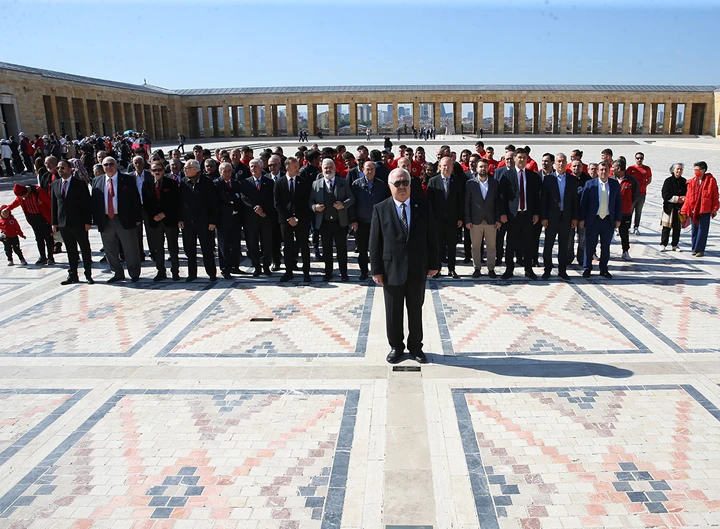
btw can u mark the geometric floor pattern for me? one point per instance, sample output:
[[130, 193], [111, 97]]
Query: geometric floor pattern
[[255, 404]]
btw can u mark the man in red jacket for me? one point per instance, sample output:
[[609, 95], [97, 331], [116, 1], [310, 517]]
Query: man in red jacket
[[643, 174], [35, 203]]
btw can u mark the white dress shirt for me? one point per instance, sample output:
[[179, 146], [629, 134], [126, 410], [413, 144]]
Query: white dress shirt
[[114, 179], [398, 209], [483, 186]]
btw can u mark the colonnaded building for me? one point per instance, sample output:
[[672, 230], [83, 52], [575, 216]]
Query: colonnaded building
[[42, 101]]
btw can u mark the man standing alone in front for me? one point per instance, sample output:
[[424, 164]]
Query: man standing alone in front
[[403, 252]]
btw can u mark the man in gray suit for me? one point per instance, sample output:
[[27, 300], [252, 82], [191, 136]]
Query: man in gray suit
[[482, 216], [331, 199]]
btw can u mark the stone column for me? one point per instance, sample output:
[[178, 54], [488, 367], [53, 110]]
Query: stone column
[[708, 121], [71, 116], [673, 118], [584, 117], [521, 118], [542, 117], [457, 116], [123, 116], [436, 116], [627, 118], [247, 120], [205, 122], [353, 118], [159, 122], [649, 119], [605, 118], [416, 114], [227, 112], [111, 116], [394, 118], [563, 118], [292, 121], [666, 117], [270, 120], [85, 120], [498, 118], [332, 119], [312, 118], [55, 125]]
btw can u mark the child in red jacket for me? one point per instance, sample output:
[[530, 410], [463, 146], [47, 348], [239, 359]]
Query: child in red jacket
[[10, 233]]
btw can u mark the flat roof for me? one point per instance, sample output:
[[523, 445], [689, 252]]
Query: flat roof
[[50, 74]]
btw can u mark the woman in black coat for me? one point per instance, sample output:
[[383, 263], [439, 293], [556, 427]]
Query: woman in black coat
[[674, 190]]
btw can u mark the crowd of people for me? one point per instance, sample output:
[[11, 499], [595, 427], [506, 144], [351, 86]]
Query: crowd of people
[[287, 208]]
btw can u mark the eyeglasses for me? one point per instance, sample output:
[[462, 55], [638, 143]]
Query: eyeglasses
[[157, 170], [401, 183], [639, 158], [109, 164]]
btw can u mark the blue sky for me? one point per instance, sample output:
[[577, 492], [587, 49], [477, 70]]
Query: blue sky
[[274, 43]]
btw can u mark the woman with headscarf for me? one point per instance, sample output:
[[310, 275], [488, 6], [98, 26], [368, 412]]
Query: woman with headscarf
[[701, 204], [674, 190], [79, 170]]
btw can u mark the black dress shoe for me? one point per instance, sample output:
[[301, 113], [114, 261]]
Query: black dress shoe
[[531, 275], [257, 273], [287, 276], [226, 275], [176, 277], [90, 281], [327, 278], [70, 280], [41, 261], [104, 259], [476, 273], [267, 272], [135, 279], [363, 276], [419, 357], [189, 279], [563, 275], [507, 274], [536, 263], [492, 274], [546, 276], [276, 267], [606, 275], [212, 279], [344, 277], [307, 278], [160, 276], [453, 274], [394, 356], [586, 273], [115, 279], [467, 260], [437, 275]]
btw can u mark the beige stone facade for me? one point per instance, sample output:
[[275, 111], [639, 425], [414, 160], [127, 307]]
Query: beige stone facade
[[40, 101]]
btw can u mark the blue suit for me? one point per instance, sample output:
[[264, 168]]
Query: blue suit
[[595, 226]]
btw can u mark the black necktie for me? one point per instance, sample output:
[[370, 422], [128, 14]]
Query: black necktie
[[403, 219], [292, 187]]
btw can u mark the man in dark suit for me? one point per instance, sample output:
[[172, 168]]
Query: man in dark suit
[[600, 215], [72, 215], [381, 170], [446, 194], [482, 216], [368, 191], [520, 211], [559, 214], [403, 253], [258, 196], [229, 219], [239, 169], [142, 176], [117, 213], [498, 175], [161, 202], [331, 199], [291, 196], [199, 216]]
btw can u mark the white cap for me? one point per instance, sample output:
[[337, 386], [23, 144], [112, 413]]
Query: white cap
[[22, 134]]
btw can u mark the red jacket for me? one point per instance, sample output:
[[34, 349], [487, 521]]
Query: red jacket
[[10, 227], [700, 198], [39, 197], [628, 193]]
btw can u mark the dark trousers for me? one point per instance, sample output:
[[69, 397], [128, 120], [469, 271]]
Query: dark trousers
[[259, 230], [12, 244], [228, 246], [624, 230], [8, 167], [561, 231], [412, 295], [277, 240], [294, 237], [43, 235], [146, 223], [699, 233], [467, 243], [637, 209], [520, 237], [332, 232], [191, 235], [74, 237], [580, 245], [157, 235], [500, 242], [362, 241], [535, 251], [447, 241], [27, 159], [603, 229], [665, 236]]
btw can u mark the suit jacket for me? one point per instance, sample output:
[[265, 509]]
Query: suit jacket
[[168, 203], [199, 202], [401, 260], [448, 211], [550, 200], [381, 171], [251, 197], [342, 193], [129, 208], [366, 198], [510, 192], [353, 174], [73, 211], [287, 205], [479, 209], [241, 172], [590, 202], [231, 207]]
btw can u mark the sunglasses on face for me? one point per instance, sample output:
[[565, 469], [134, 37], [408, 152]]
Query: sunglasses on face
[[108, 164], [401, 183], [157, 171]]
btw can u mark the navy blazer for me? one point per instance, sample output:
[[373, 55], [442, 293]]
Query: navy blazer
[[590, 202], [365, 198], [550, 199]]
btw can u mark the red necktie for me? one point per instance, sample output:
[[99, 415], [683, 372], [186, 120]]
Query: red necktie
[[157, 189], [229, 185], [111, 195], [64, 189], [257, 184], [522, 191]]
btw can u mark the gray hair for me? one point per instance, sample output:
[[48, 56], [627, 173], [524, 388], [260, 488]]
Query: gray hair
[[193, 163], [275, 158], [257, 161], [328, 160], [561, 154], [136, 158], [673, 166], [399, 171], [224, 165]]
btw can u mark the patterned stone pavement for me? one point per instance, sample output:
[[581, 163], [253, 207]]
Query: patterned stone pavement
[[251, 404]]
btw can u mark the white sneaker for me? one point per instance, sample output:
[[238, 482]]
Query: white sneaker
[[676, 249], [626, 256], [664, 248]]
